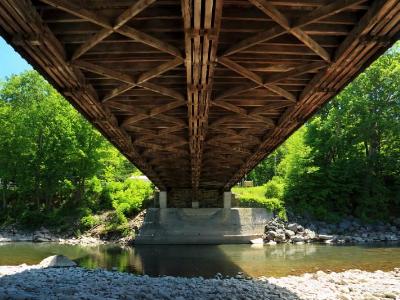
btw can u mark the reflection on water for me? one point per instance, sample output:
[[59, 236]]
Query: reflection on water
[[204, 260]]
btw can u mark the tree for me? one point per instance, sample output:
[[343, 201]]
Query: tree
[[48, 152], [354, 142]]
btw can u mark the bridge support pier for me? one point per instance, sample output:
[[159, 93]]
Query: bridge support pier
[[228, 199], [162, 199]]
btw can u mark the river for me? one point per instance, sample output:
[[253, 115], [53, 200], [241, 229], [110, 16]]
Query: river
[[207, 260]]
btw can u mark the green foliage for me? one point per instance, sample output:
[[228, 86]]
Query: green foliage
[[128, 197], [89, 221], [255, 197], [55, 168], [274, 188], [345, 160]]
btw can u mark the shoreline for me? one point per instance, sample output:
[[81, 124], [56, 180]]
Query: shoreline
[[348, 231], [74, 282]]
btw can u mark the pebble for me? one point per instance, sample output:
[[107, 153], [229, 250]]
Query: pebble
[[33, 282]]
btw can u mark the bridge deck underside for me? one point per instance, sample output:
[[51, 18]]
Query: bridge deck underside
[[196, 93]]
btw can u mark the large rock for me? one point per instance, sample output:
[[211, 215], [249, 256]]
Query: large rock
[[289, 233], [325, 237], [257, 241], [57, 261], [298, 238], [280, 238], [271, 235], [293, 227], [309, 234]]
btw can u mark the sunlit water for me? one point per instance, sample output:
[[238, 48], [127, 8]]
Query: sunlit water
[[279, 260]]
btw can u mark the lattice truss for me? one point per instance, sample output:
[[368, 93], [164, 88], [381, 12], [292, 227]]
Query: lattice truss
[[196, 93]]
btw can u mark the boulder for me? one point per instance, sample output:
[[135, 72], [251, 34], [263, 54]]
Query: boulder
[[325, 237], [271, 235], [40, 239], [280, 238], [292, 227], [289, 233], [257, 241], [297, 238], [57, 261], [309, 234]]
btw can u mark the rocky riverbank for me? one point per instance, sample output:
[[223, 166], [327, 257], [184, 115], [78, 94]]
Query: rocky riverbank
[[40, 282], [45, 235], [348, 230], [94, 236]]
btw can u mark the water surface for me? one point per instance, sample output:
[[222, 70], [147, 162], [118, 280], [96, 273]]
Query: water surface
[[206, 261]]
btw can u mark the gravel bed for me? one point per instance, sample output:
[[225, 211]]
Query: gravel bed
[[35, 282]]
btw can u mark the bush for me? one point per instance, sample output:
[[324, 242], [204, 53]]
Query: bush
[[89, 221], [255, 197], [274, 188], [130, 197]]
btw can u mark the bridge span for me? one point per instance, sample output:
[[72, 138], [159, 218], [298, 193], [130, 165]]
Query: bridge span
[[196, 93]]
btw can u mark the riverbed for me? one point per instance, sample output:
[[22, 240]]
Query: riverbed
[[208, 260]]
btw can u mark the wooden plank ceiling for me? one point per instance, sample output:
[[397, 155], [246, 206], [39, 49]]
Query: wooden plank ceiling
[[196, 93]]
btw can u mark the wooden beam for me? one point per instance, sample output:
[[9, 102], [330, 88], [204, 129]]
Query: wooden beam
[[163, 68], [242, 112], [156, 147], [128, 14], [170, 119], [125, 30], [201, 50], [239, 149], [376, 12], [294, 72], [106, 72], [109, 73], [235, 134], [153, 112], [255, 40], [312, 17], [76, 10], [118, 91], [278, 17], [237, 90], [230, 64], [162, 90], [325, 11]]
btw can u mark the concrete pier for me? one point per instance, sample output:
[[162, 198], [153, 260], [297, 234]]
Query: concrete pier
[[202, 225]]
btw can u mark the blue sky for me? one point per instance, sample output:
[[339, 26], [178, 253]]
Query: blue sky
[[10, 61]]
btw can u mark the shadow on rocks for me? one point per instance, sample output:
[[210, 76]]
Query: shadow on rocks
[[79, 283]]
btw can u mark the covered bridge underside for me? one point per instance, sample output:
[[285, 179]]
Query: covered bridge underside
[[196, 93]]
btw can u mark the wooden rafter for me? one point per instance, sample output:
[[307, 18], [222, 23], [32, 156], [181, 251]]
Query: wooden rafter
[[268, 83], [323, 12], [187, 117], [287, 121], [67, 76], [201, 49], [127, 79], [122, 19], [163, 68], [75, 9]]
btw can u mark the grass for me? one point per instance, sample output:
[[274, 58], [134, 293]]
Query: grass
[[255, 197]]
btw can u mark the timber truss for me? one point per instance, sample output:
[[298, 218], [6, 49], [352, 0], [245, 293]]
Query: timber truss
[[196, 93]]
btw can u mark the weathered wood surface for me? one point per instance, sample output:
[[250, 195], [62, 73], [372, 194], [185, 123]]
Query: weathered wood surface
[[196, 93]]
